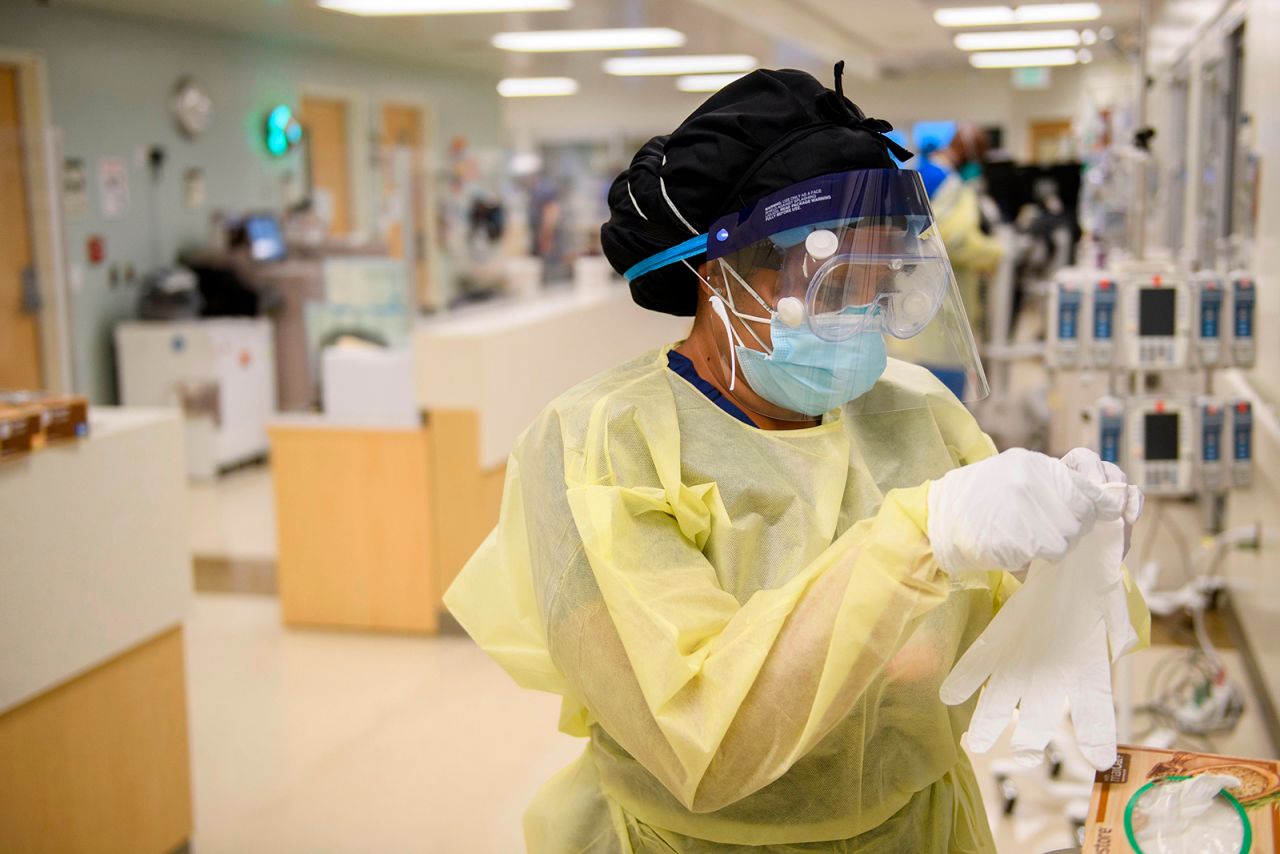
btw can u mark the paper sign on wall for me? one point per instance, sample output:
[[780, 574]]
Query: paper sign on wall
[[75, 189], [113, 187], [193, 194]]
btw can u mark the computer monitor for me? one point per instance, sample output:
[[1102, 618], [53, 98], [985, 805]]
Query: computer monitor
[[265, 239]]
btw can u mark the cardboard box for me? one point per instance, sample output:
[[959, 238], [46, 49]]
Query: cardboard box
[[62, 416], [1258, 794], [19, 427]]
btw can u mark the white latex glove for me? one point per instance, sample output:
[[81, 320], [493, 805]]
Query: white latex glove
[[1006, 510], [1188, 817], [1048, 648], [1089, 464]]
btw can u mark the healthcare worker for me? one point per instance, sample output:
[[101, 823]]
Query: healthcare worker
[[748, 562], [950, 177]]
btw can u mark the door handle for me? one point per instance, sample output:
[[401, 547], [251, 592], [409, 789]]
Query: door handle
[[32, 301]]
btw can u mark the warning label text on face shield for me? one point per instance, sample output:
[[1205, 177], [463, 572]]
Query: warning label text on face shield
[[791, 204]]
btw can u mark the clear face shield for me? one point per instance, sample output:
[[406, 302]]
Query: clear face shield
[[822, 286]]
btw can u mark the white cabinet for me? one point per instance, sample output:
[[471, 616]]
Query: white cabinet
[[219, 371]]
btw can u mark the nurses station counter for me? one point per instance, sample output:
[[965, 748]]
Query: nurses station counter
[[95, 580], [374, 523]]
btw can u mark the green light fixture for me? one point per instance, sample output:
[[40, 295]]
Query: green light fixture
[[283, 131]]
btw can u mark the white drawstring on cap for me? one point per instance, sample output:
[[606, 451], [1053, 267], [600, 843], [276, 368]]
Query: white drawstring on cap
[[634, 203], [662, 185]]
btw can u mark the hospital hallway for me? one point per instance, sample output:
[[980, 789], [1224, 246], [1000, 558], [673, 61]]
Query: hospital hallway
[[639, 427]]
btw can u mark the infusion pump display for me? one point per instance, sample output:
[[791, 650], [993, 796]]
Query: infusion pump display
[[1157, 322], [1160, 447]]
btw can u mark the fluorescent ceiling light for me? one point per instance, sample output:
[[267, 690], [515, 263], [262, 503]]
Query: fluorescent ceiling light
[[641, 66], [1045, 13], [634, 38], [1016, 39], [1050, 12], [974, 16], [535, 87], [1021, 58], [441, 7], [705, 82]]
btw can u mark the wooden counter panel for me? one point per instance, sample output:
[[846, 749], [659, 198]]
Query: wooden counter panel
[[100, 764]]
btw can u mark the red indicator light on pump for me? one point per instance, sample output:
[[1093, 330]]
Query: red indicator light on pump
[[1159, 406]]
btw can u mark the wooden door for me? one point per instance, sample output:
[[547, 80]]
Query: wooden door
[[19, 329], [401, 129], [1050, 140], [325, 123]]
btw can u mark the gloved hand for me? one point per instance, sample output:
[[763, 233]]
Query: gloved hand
[[1089, 464], [1051, 645], [1006, 510]]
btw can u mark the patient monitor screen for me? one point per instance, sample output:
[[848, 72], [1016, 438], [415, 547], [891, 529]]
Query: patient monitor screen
[[1161, 433], [1155, 311]]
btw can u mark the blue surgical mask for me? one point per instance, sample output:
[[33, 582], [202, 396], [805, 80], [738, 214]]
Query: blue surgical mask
[[806, 374]]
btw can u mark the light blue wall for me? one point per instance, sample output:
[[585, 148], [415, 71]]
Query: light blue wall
[[109, 83]]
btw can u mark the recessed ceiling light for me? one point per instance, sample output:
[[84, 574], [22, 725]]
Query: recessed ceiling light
[[1088, 37], [536, 87], [550, 41], [1015, 39], [642, 66], [1043, 13], [1021, 58], [705, 82], [442, 7]]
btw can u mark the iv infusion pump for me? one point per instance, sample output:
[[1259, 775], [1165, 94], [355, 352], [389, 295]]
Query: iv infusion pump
[[1150, 321], [1243, 298], [1209, 295], [1177, 446]]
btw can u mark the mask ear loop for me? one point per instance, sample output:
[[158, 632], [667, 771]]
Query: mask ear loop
[[730, 334], [717, 306]]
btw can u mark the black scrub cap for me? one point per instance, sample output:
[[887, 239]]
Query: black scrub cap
[[760, 134]]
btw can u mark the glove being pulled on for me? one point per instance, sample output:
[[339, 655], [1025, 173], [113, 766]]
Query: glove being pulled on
[[1009, 509], [1050, 646]]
